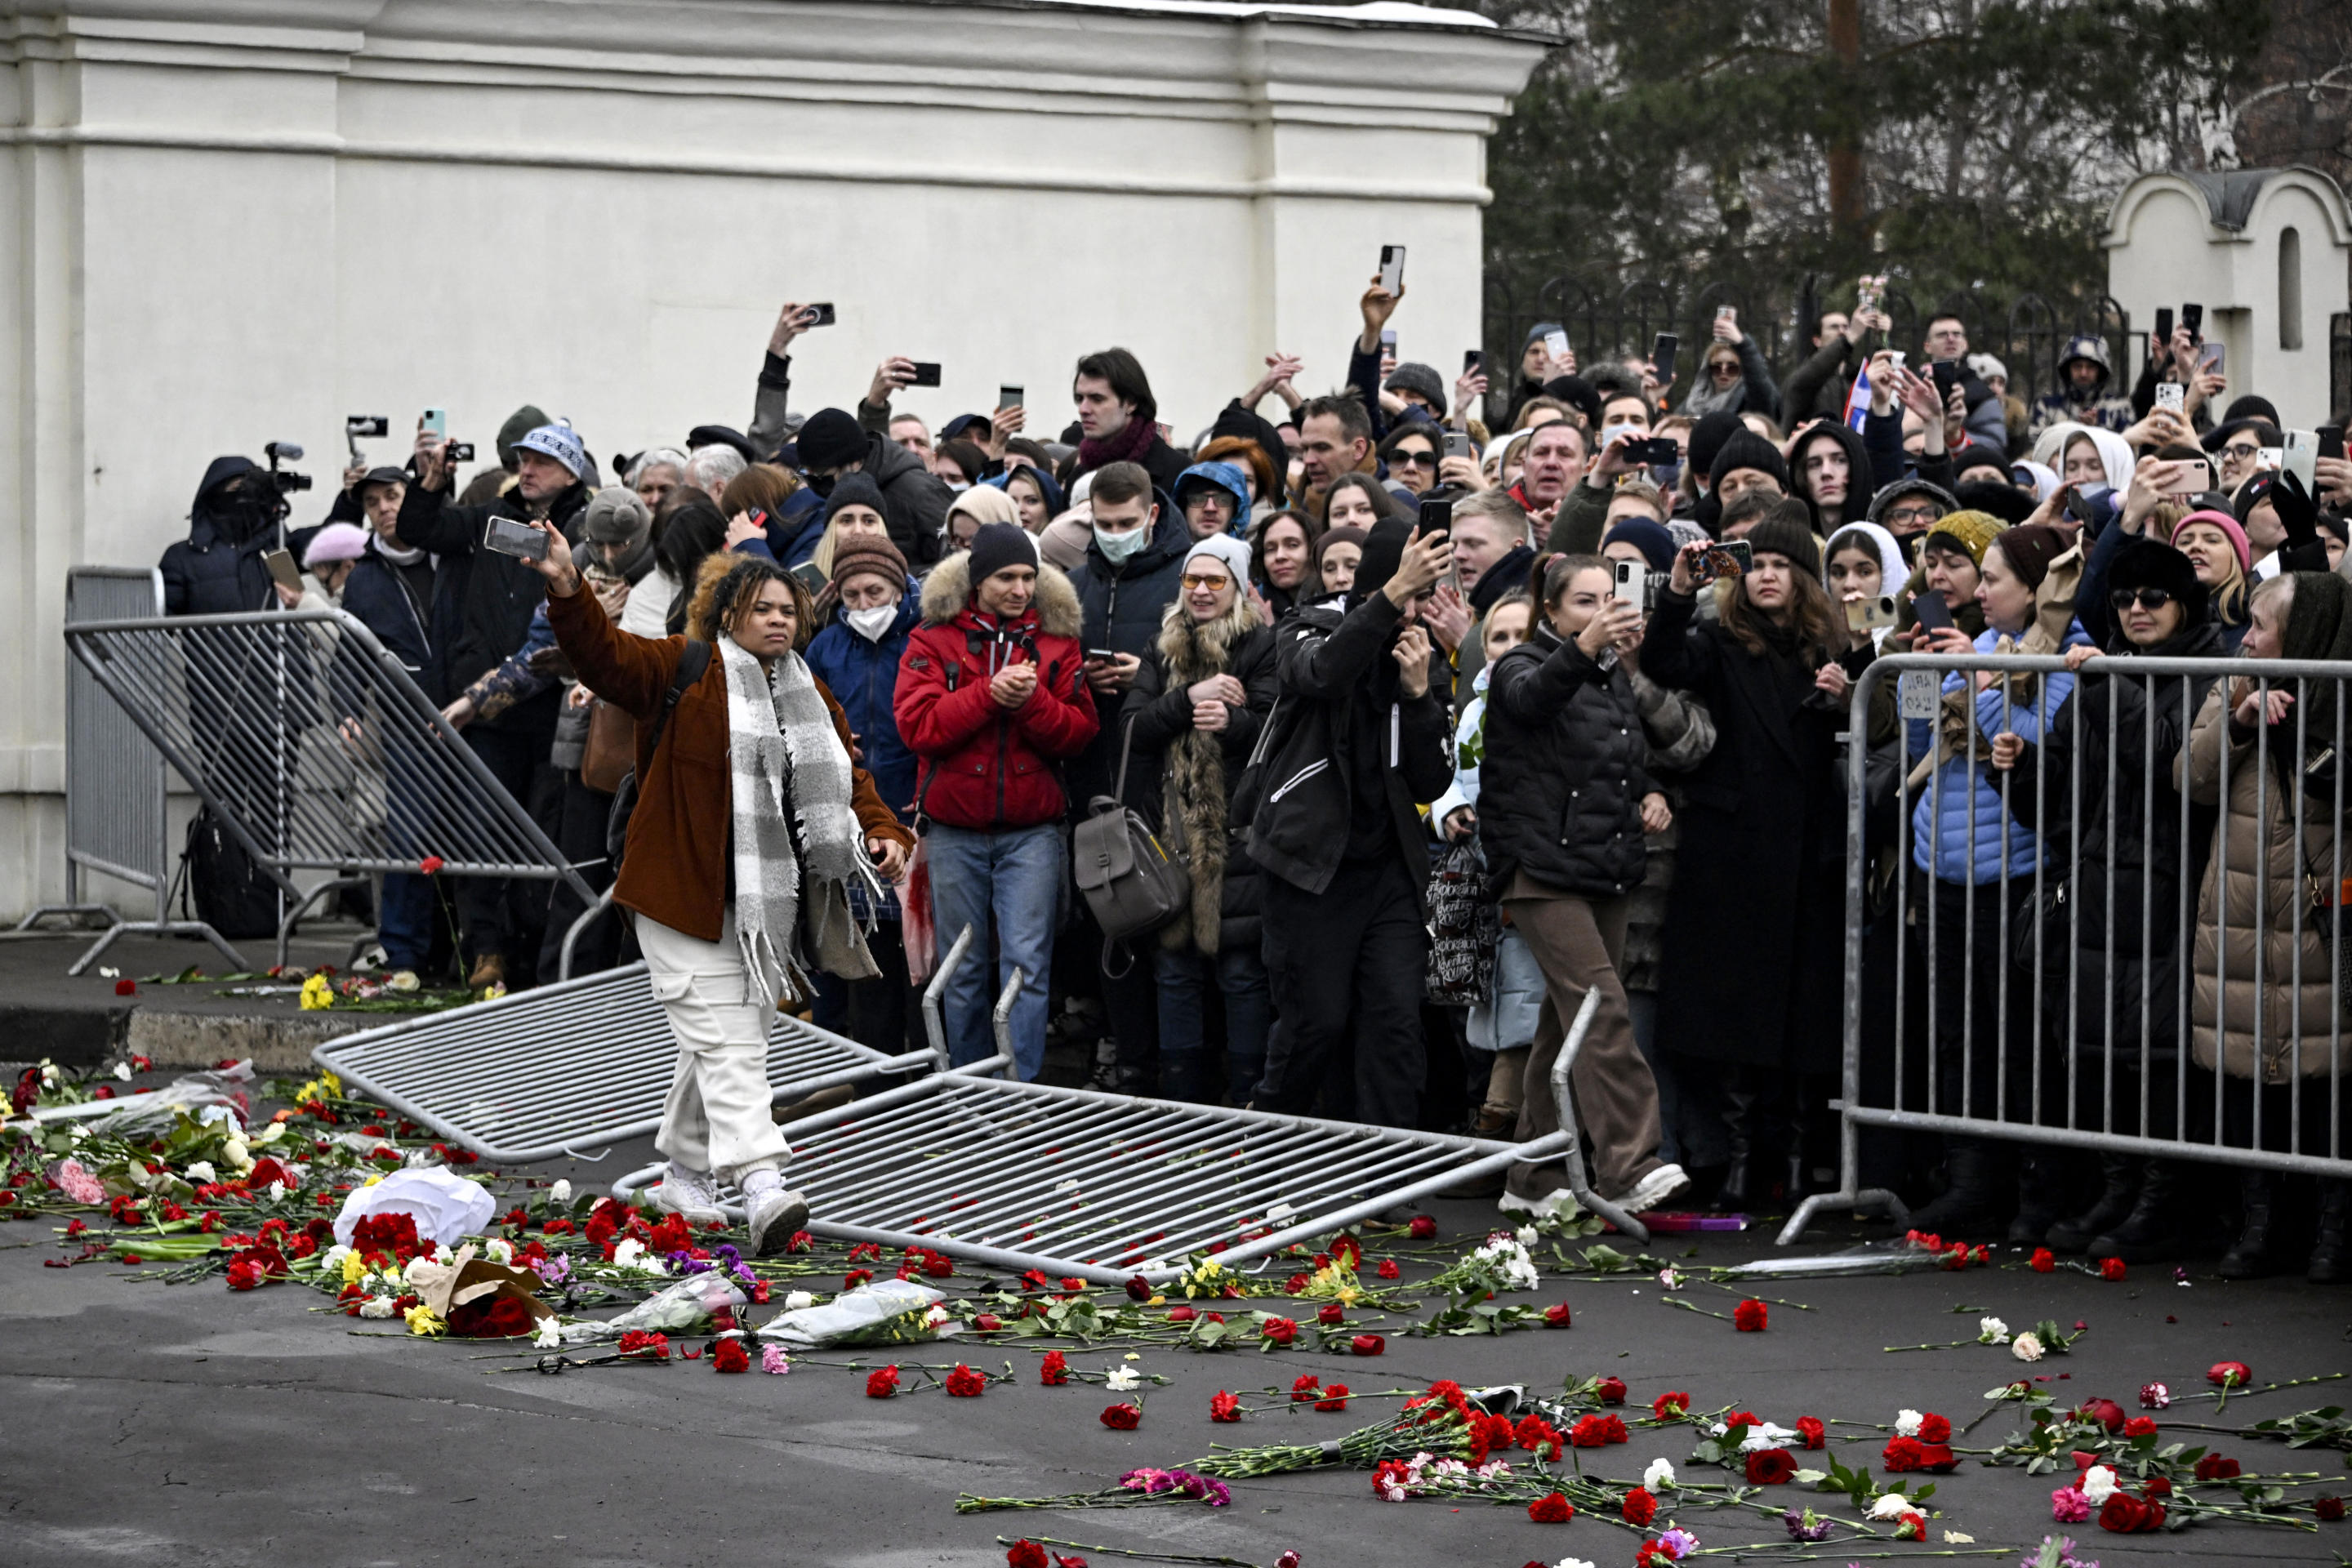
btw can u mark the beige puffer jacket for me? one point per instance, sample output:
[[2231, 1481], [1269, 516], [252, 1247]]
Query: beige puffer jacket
[[2226, 1009]]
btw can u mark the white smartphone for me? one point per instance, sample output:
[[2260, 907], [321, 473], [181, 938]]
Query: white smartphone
[[1634, 584], [2171, 395], [1556, 345], [2297, 457], [1392, 267]]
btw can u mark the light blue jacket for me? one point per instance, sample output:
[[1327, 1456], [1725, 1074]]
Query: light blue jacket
[[1962, 825]]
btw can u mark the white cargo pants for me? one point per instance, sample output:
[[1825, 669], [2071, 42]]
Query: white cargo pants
[[717, 1117]]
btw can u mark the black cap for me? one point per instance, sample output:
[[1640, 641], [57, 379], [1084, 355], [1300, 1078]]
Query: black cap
[[831, 439], [719, 436], [380, 476]]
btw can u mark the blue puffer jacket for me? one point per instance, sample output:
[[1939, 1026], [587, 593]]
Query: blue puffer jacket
[[863, 679], [1963, 826]]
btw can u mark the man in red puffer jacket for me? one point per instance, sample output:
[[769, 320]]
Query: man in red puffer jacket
[[992, 698]]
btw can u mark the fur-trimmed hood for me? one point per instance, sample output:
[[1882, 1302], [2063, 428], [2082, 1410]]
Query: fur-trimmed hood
[[947, 593], [1194, 651]]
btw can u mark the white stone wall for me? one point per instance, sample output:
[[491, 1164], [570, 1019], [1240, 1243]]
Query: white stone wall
[[240, 220]]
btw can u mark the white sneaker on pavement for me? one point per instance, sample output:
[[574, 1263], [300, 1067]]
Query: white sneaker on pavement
[[1665, 1182], [774, 1213], [694, 1194]]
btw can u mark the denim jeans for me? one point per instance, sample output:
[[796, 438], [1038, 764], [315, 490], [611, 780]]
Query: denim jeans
[[1240, 973], [404, 920], [1016, 876]]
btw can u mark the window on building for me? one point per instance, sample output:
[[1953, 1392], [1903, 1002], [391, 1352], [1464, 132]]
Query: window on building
[[2290, 289]]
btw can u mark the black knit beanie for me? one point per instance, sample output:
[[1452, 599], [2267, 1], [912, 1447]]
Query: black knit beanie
[[998, 545], [1747, 450]]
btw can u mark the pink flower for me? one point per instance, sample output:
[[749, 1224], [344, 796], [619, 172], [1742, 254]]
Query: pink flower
[[78, 1184], [2069, 1506], [774, 1359]]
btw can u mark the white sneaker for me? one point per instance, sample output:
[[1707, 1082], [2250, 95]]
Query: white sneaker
[[1654, 1189], [694, 1194], [1560, 1200], [775, 1213]]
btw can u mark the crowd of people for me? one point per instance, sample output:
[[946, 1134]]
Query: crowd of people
[[1473, 710]]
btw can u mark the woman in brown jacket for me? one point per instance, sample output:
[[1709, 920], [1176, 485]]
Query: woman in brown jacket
[[751, 822], [2264, 971]]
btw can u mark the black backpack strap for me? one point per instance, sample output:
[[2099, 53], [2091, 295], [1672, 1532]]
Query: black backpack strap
[[690, 665]]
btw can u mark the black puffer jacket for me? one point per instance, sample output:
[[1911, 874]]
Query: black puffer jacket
[[500, 592], [1120, 608], [217, 570], [1566, 764], [914, 500]]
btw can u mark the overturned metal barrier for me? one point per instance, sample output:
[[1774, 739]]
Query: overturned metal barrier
[[1103, 1187], [553, 1070], [2076, 1001]]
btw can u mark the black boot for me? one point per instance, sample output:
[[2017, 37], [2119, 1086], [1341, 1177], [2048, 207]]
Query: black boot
[[1743, 1176], [2329, 1265], [2040, 1197], [2249, 1256], [1970, 1204], [2151, 1231], [2114, 1202]]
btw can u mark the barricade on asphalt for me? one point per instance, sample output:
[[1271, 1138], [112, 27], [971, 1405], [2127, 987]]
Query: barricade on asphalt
[[1085, 1184], [553, 1070], [316, 750], [2048, 1005], [117, 809]]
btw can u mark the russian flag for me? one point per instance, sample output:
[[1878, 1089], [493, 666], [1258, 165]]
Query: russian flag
[[1857, 400]]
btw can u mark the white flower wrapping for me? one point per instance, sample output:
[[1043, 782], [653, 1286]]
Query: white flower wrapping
[[447, 1207]]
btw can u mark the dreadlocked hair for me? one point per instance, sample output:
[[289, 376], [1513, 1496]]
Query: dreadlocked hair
[[727, 584]]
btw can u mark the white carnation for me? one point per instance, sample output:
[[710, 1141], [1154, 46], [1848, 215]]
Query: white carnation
[[1893, 1505], [797, 1300], [2098, 1484], [1659, 1476], [1120, 1379], [560, 1193], [1907, 1423], [376, 1307], [1992, 1330]]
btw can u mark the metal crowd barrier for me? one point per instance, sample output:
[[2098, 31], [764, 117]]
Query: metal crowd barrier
[[1101, 1186], [316, 749], [117, 808], [2056, 1037]]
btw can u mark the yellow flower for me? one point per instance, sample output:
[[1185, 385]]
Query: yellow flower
[[318, 993], [352, 1268], [421, 1321]]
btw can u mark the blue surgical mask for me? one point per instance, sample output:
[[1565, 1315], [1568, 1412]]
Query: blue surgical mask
[[1118, 547]]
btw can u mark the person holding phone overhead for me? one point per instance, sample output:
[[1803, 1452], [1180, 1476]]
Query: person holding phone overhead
[[1356, 745], [751, 827], [1568, 799], [1753, 920]]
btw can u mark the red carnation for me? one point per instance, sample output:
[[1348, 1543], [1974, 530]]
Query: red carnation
[[2113, 1269], [1639, 1507], [1934, 1429], [1280, 1331], [2127, 1515], [1610, 1390], [1809, 1428], [1749, 1317], [1903, 1456], [265, 1171], [2328, 1510], [986, 1322], [1305, 1389], [2044, 1260], [1053, 1370], [1770, 1467], [2106, 1411], [1552, 1509], [1666, 1406], [1328, 1314], [854, 1278], [1589, 1432], [882, 1385], [1423, 1227], [728, 1355], [1121, 1417], [1026, 1554], [2230, 1375], [429, 865], [1335, 1397], [1181, 1314], [965, 1383], [2140, 1426], [1388, 1268], [1223, 1406], [2216, 1468], [1367, 1344], [126, 988], [1556, 1315]]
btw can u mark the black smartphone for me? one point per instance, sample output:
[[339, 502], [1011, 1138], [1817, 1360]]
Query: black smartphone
[[1654, 449], [459, 452], [1436, 517], [811, 578], [508, 537], [1947, 374], [1008, 397], [1930, 611], [2330, 441], [1392, 269], [1662, 357], [2087, 504], [1101, 655], [816, 315], [1473, 359], [2163, 333], [1726, 558], [2193, 318], [927, 374]]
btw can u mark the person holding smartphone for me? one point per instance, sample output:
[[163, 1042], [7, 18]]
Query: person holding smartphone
[[1753, 920]]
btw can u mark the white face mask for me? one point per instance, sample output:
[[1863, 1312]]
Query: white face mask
[[871, 624], [1118, 547], [1609, 432]]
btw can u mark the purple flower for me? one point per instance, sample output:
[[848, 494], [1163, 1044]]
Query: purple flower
[[1805, 1526], [1679, 1543], [552, 1270]]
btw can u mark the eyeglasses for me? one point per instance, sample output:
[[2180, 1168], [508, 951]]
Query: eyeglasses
[[1911, 514], [2146, 598], [1192, 582], [2236, 450], [1404, 460]]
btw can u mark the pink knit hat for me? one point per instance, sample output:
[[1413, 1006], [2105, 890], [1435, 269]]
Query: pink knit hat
[[2228, 525]]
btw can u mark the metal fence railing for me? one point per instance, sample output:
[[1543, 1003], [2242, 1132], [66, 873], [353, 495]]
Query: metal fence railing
[[2130, 940], [315, 748], [117, 804]]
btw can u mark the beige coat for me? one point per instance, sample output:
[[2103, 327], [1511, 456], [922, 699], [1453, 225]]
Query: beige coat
[[2226, 1006]]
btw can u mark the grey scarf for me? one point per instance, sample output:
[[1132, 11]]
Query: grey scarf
[[790, 807]]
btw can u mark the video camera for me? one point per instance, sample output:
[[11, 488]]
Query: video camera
[[285, 479]]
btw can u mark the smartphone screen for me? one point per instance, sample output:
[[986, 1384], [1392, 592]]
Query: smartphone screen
[[1008, 397], [2163, 333], [2330, 443], [1930, 611], [1662, 356], [1392, 269], [2213, 358]]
